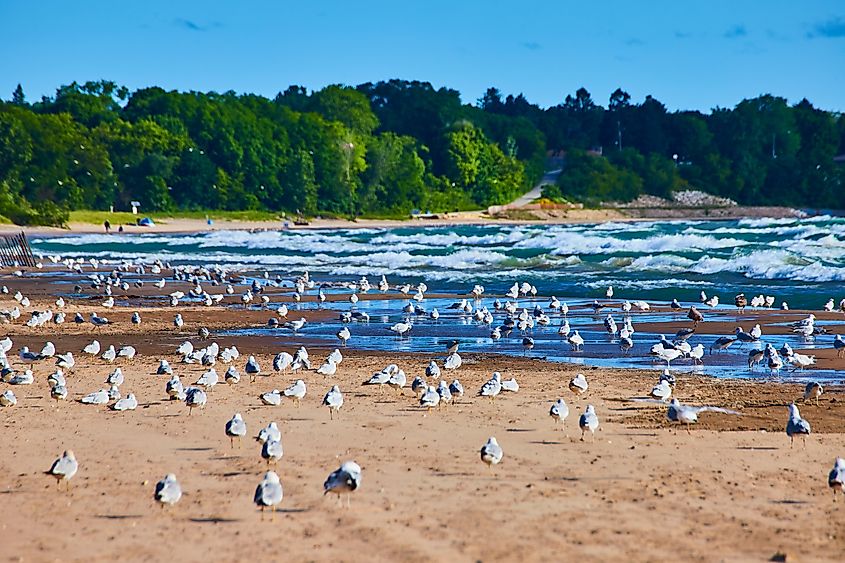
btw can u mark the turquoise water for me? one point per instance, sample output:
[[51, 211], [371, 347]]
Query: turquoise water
[[801, 262]]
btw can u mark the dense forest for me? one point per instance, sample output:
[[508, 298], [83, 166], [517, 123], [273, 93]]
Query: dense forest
[[387, 148]]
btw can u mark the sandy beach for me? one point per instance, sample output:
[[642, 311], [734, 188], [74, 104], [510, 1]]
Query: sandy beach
[[641, 491], [519, 217]]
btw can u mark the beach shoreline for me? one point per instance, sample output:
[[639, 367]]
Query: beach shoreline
[[537, 217]]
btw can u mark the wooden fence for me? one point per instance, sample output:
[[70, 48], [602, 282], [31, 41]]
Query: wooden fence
[[15, 251]]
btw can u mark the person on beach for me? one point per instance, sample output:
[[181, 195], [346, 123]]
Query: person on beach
[[107, 226]]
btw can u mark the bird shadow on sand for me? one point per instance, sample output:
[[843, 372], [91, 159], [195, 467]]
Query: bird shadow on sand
[[119, 516], [788, 501], [758, 448], [548, 442], [520, 430], [214, 520], [194, 449]]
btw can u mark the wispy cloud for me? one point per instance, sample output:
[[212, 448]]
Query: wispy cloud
[[194, 26], [531, 45], [682, 34], [833, 28], [736, 32], [634, 42]]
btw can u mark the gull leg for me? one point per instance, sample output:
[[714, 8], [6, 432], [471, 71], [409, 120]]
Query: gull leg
[[582, 434], [791, 441]]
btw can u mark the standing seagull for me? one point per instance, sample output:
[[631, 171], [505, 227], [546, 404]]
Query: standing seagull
[[836, 478], [345, 479], [491, 452], [168, 491], [64, 468], [252, 368], [269, 492], [813, 389], [589, 421], [333, 400], [796, 425], [236, 428], [559, 412]]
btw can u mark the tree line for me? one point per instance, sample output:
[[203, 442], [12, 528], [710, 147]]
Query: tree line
[[386, 148]]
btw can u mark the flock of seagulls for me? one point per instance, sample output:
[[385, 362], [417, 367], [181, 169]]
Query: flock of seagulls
[[430, 389]]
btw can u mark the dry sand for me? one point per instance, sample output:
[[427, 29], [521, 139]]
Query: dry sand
[[519, 217], [732, 490]]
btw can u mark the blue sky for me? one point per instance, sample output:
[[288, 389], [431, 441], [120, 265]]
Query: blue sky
[[689, 55]]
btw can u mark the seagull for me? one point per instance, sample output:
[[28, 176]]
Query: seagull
[[578, 384], [527, 344], [252, 368], [272, 398], [296, 391], [65, 361], [419, 385], [269, 432], [110, 354], [576, 341], [345, 479], [755, 357], [401, 329], [839, 346], [452, 361], [491, 452], [129, 403], [177, 321], [695, 316], [343, 335], [559, 411], [168, 491], [208, 379], [456, 389], [8, 399], [100, 397], [589, 421], [687, 414], [269, 492], [174, 388], [272, 451], [796, 425], [836, 477], [697, 353], [59, 393], [195, 397], [662, 391], [236, 429], [64, 468], [813, 389], [333, 400], [432, 370], [444, 392], [398, 380], [492, 387], [164, 368], [430, 398], [127, 352], [281, 362], [722, 343]]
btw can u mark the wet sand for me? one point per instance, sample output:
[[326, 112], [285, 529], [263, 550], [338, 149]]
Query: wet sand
[[732, 489]]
